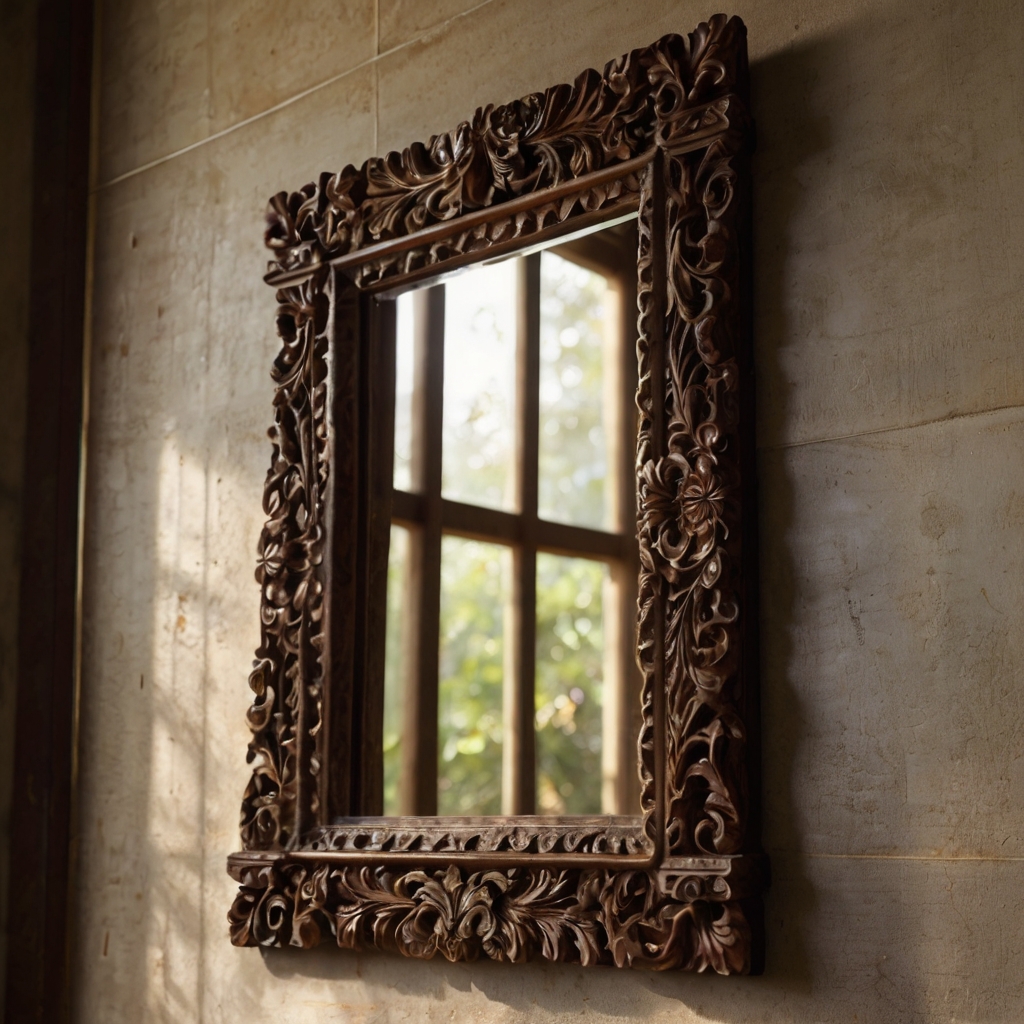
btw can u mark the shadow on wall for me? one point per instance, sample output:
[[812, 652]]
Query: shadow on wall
[[793, 130]]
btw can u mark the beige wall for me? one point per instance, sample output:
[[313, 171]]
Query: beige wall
[[890, 249]]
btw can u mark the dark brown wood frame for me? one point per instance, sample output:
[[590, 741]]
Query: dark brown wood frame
[[666, 131]]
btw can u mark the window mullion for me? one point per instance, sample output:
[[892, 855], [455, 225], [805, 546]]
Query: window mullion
[[621, 675], [418, 787], [518, 757]]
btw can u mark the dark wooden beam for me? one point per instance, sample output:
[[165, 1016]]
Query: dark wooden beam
[[378, 418], [42, 811], [519, 773], [495, 526], [418, 786]]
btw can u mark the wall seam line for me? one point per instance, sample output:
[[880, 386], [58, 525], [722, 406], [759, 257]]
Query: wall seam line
[[948, 418], [437, 29], [911, 857]]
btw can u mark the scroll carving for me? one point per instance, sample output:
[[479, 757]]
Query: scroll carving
[[690, 519], [676, 88], [516, 914], [494, 835], [501, 231], [287, 676], [691, 510], [664, 130]]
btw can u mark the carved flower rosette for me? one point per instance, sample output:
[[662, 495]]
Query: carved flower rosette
[[663, 130]]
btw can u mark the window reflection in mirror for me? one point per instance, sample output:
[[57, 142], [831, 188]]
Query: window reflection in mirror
[[535, 426]]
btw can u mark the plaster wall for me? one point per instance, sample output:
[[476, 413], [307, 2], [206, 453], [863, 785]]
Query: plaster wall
[[889, 191]]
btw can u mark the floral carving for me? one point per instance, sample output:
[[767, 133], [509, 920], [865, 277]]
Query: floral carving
[[514, 914], [522, 835], [652, 95], [694, 547], [663, 130], [287, 675], [501, 231]]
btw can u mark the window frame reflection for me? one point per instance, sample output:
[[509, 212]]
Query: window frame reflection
[[430, 516]]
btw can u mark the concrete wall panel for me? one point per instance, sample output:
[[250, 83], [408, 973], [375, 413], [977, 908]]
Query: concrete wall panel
[[888, 257], [174, 72]]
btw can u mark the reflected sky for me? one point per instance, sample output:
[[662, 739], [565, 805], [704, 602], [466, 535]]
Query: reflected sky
[[478, 445], [573, 455]]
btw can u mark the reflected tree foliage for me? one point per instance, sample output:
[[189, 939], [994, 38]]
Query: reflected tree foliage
[[475, 589], [570, 652], [573, 465], [394, 665]]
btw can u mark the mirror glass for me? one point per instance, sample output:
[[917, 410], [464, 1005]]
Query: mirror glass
[[535, 422]]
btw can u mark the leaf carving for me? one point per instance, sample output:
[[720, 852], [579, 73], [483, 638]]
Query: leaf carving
[[514, 915], [502, 152], [679, 106]]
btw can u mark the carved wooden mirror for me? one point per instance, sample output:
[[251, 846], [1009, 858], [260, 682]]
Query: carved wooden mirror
[[500, 546]]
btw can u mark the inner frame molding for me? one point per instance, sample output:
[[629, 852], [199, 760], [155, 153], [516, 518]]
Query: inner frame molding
[[664, 130]]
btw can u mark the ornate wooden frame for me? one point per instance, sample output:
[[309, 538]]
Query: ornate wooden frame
[[665, 130]]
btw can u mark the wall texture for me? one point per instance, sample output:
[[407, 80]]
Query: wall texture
[[889, 254]]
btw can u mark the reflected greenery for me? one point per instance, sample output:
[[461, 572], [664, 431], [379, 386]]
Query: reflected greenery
[[570, 657], [477, 460], [570, 650], [475, 588], [573, 460], [394, 665]]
